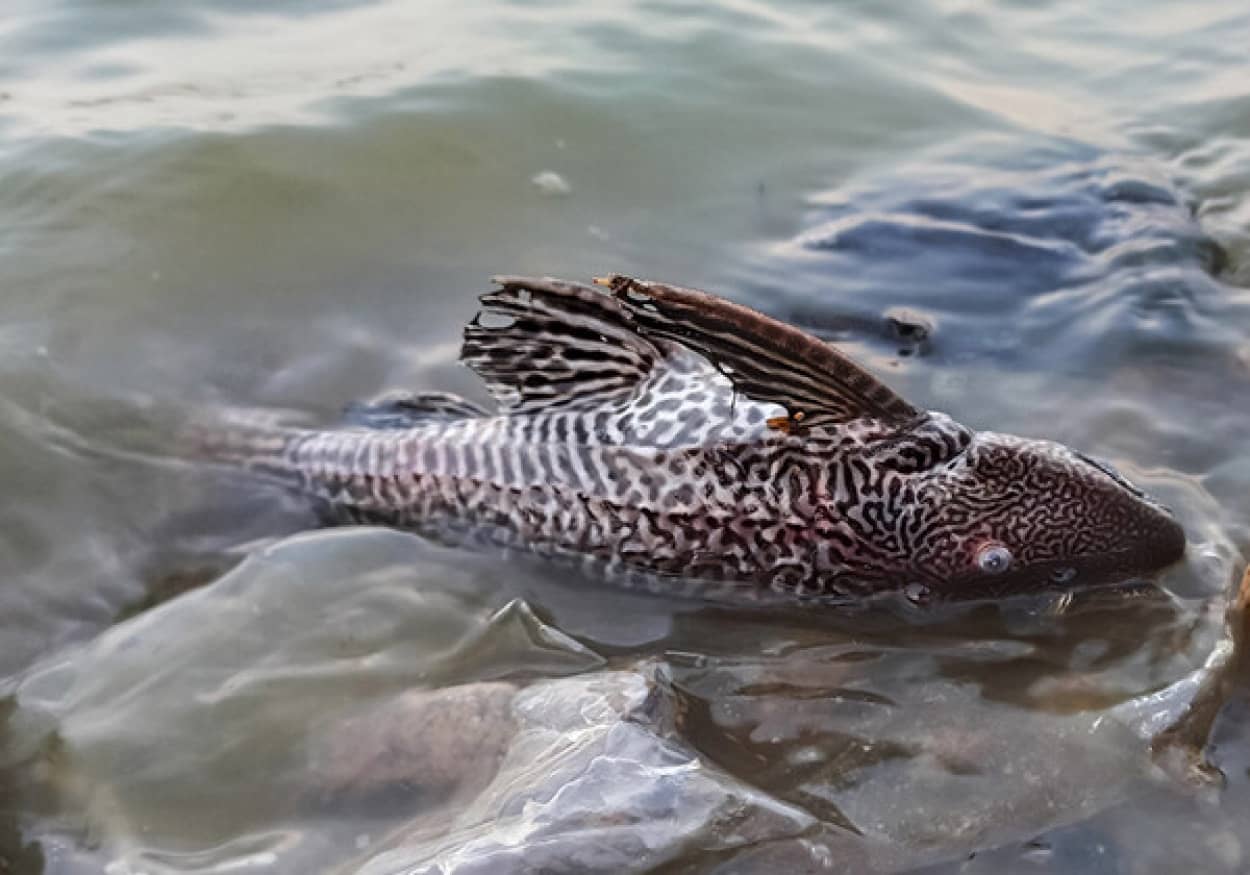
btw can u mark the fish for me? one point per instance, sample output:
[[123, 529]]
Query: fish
[[664, 433]]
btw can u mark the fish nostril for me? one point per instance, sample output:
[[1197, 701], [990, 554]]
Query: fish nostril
[[1063, 574]]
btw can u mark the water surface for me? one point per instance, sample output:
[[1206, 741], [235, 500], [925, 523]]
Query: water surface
[[1034, 217]]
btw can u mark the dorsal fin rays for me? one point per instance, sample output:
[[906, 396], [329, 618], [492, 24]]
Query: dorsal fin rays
[[765, 359], [557, 344], [542, 344]]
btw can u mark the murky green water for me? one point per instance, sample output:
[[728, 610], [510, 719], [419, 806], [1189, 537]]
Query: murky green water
[[289, 209]]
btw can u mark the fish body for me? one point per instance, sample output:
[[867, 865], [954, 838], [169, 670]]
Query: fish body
[[663, 431]]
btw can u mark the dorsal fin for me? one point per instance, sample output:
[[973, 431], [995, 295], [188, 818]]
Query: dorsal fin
[[765, 359], [544, 343], [562, 344]]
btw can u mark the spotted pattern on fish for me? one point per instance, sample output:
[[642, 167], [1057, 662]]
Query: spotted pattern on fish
[[662, 431]]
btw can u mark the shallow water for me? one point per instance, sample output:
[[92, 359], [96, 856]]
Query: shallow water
[[1035, 217]]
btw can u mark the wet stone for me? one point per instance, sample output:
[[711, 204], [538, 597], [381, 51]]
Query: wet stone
[[595, 780], [910, 329], [427, 741]]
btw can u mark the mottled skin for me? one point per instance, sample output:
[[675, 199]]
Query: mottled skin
[[663, 432]]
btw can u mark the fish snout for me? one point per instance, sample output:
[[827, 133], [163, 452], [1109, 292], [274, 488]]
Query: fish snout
[[1163, 543], [1155, 539]]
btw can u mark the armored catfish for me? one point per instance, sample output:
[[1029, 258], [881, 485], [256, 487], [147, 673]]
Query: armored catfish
[[664, 433]]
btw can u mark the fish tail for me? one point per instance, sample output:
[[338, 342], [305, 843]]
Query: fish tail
[[267, 449]]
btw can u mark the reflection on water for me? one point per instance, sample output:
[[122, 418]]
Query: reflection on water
[[1033, 217]]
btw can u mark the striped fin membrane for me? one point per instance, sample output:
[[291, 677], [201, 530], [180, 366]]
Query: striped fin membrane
[[541, 344], [765, 359], [566, 344]]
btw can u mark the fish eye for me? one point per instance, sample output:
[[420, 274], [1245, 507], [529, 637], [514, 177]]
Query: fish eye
[[1063, 574], [994, 559]]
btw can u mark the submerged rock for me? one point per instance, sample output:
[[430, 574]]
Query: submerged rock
[[447, 741], [594, 781], [411, 759]]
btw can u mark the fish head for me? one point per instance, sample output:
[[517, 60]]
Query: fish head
[[1011, 515]]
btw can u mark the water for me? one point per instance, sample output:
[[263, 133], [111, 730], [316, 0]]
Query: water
[[1034, 217]]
